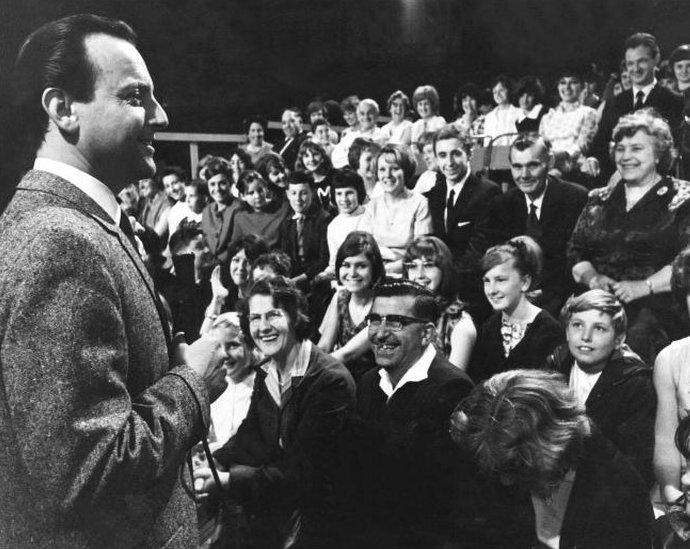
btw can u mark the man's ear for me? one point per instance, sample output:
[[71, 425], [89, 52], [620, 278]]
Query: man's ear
[[58, 104], [429, 333], [620, 340]]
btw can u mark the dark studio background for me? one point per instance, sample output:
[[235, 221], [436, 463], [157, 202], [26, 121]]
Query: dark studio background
[[215, 61]]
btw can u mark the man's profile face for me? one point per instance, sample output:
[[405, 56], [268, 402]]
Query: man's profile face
[[116, 126], [529, 169], [397, 350], [640, 64]]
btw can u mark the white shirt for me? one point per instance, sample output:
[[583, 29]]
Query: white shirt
[[419, 371], [645, 90], [582, 382], [457, 189], [549, 514], [297, 369], [230, 409], [86, 183], [537, 201], [178, 213], [426, 181]]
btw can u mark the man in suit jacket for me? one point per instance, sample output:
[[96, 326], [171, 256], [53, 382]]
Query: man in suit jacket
[[641, 58], [294, 135], [556, 204], [457, 203], [410, 475], [97, 406]]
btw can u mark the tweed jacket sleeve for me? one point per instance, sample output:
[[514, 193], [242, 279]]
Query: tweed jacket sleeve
[[96, 412]]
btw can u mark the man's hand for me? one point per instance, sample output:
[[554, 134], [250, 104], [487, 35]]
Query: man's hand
[[206, 356], [205, 484], [630, 290]]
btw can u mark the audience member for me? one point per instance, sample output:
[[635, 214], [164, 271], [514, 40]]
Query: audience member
[[429, 177], [255, 128], [173, 179], [348, 195], [466, 108], [291, 121], [499, 125], [155, 206], [398, 130], [321, 135], [275, 263], [349, 108], [231, 282], [240, 161], [312, 159], [398, 214], [195, 199], [272, 168], [564, 482], [258, 215], [680, 63], [426, 103], [284, 464], [410, 476], [429, 263], [641, 58], [540, 206], [519, 334], [361, 158], [359, 268], [628, 233], [217, 216], [607, 378], [529, 94]]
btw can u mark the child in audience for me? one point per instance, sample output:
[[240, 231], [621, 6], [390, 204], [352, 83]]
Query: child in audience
[[427, 179], [321, 135], [312, 158], [258, 215], [272, 168], [361, 158]]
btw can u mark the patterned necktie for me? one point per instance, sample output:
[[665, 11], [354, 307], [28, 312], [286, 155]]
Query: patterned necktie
[[639, 100], [533, 227], [299, 222], [449, 206]]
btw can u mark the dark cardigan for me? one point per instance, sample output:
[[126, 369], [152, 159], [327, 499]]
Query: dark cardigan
[[622, 404], [294, 453], [542, 336]]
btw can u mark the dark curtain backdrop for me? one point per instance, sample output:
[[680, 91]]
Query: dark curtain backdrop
[[215, 61]]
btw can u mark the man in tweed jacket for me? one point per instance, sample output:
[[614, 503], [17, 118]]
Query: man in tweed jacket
[[96, 414]]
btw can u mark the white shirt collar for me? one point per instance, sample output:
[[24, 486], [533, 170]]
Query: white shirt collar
[[297, 370], [457, 187], [645, 90], [419, 371], [88, 184], [537, 201]]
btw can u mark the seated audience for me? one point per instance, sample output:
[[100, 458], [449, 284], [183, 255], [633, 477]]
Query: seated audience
[[348, 195], [367, 116], [291, 120], [190, 209], [349, 108], [255, 127], [607, 378], [359, 268], [429, 177], [217, 216], [361, 158], [155, 206], [240, 161], [671, 381], [565, 485], [303, 233], [284, 464], [529, 94], [641, 58], [426, 103], [466, 108], [272, 168], [312, 159], [410, 477], [258, 215], [398, 214], [519, 334], [540, 206], [429, 263], [398, 130], [501, 120], [231, 283], [628, 233]]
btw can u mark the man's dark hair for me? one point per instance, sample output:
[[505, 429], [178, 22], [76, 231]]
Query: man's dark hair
[[185, 233], [300, 177], [174, 170], [451, 132], [642, 39], [54, 56], [358, 147], [260, 120], [425, 303], [526, 141], [285, 296]]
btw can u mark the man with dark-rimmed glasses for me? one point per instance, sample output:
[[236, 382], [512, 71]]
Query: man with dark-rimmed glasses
[[410, 475]]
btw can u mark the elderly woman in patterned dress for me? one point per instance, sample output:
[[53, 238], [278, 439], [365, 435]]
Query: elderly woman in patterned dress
[[628, 233]]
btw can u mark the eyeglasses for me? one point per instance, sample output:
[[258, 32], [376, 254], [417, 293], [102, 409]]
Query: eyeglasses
[[271, 317], [394, 322]]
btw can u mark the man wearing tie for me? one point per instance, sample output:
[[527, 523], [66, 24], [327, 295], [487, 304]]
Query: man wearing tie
[[457, 203], [641, 59], [543, 207]]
